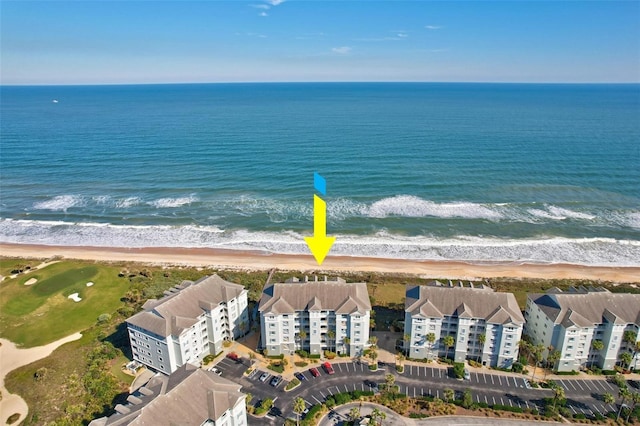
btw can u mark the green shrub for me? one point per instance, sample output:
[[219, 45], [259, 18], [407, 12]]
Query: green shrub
[[458, 370], [373, 367], [314, 356], [292, 384], [207, 359], [277, 367], [400, 368], [301, 364], [281, 356], [13, 418], [517, 367], [104, 318], [303, 353], [509, 408], [567, 373], [609, 372], [329, 354], [418, 415]]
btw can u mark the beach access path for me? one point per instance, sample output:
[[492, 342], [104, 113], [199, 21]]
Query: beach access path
[[12, 357]]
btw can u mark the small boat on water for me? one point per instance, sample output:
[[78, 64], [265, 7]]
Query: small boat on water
[[55, 101]]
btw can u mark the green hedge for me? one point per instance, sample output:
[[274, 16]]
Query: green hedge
[[568, 373], [501, 407]]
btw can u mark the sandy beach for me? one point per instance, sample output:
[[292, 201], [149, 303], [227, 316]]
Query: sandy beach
[[262, 261]]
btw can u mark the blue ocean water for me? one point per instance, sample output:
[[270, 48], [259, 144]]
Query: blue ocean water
[[505, 172]]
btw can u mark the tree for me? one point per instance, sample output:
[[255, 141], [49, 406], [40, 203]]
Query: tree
[[431, 338], [619, 381], [467, 399], [373, 341], [400, 358], [525, 347], [332, 338], [377, 417], [449, 395], [482, 338], [630, 337], [407, 339], [373, 355], [302, 335], [354, 414], [390, 381], [267, 404], [608, 398], [298, 407], [537, 356], [346, 341], [635, 399], [625, 359], [558, 395], [636, 350], [624, 396], [448, 341], [552, 358], [597, 345]]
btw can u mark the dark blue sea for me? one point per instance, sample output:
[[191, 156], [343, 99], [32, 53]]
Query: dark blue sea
[[482, 172]]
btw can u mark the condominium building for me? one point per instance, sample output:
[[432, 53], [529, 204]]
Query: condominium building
[[314, 316], [192, 320], [189, 396], [570, 321], [485, 325]]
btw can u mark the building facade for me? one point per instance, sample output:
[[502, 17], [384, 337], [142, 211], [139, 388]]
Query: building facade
[[191, 321], [485, 326], [189, 396], [315, 316], [571, 321]]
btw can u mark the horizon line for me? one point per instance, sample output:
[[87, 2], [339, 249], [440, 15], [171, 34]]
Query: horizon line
[[322, 82]]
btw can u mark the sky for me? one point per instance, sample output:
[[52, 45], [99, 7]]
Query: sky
[[122, 42]]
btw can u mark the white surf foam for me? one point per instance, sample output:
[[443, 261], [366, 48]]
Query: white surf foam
[[559, 211], [412, 206], [545, 215], [60, 203], [384, 244], [164, 203], [125, 203]]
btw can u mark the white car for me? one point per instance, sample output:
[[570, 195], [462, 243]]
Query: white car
[[215, 370], [467, 375]]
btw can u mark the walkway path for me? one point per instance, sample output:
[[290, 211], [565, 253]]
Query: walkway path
[[11, 358]]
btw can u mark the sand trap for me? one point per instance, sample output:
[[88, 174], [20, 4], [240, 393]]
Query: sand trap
[[75, 297], [89, 284], [31, 281]]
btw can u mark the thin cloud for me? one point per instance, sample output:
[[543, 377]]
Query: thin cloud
[[264, 14], [433, 27], [261, 6], [275, 2], [403, 35], [342, 50]]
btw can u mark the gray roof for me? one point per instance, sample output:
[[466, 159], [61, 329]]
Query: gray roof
[[335, 295], [189, 396], [182, 305], [437, 301], [586, 308]]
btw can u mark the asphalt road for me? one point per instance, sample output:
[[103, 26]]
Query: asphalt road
[[583, 396]]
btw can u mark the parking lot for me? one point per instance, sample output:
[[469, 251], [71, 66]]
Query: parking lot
[[583, 396]]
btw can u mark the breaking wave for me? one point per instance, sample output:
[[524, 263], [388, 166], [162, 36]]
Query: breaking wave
[[587, 251]]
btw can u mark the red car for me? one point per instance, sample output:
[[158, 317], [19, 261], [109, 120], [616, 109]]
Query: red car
[[234, 356], [314, 372], [328, 368]]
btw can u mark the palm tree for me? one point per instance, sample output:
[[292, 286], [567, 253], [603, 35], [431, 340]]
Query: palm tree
[[406, 338], [373, 355], [608, 398], [525, 347], [354, 414], [482, 338], [247, 399], [390, 381], [377, 417], [552, 358], [373, 341], [558, 395], [635, 399], [298, 408], [636, 350], [346, 341], [302, 335], [537, 353], [431, 338], [400, 358], [332, 338], [449, 395], [625, 359], [624, 395], [448, 341], [630, 337]]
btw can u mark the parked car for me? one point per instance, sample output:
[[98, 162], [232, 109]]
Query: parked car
[[314, 372], [467, 375], [234, 356], [275, 381], [215, 370], [328, 368], [300, 376], [264, 377]]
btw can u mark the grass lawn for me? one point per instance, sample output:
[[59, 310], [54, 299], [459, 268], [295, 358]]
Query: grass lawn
[[42, 313]]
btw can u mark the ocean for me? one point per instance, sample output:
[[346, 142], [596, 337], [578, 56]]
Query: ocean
[[472, 172]]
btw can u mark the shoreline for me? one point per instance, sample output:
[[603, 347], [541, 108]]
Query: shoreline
[[253, 260]]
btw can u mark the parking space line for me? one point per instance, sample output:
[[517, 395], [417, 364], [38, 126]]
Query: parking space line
[[485, 378], [609, 384], [338, 365], [431, 372], [329, 390], [345, 388], [573, 409], [494, 400], [414, 392], [485, 399], [492, 382], [307, 402], [587, 384], [572, 385], [318, 401], [500, 380], [478, 399], [561, 383], [510, 403], [437, 393], [501, 401], [526, 403], [440, 372], [579, 384], [347, 367], [602, 383], [323, 396]]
